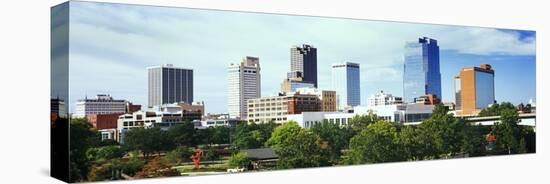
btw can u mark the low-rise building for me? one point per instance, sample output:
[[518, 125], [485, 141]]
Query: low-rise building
[[327, 98], [130, 107], [211, 120], [401, 113], [193, 107], [382, 98], [57, 107], [163, 116], [103, 121], [428, 99], [275, 108], [292, 84], [102, 104], [310, 119]]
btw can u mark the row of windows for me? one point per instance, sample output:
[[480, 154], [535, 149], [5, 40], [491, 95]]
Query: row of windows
[[266, 109], [267, 104], [131, 123], [265, 120], [337, 121], [268, 114]]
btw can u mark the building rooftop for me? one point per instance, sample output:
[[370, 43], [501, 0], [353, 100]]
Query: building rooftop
[[261, 154], [168, 66]]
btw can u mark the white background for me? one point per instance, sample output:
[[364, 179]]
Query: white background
[[24, 90]]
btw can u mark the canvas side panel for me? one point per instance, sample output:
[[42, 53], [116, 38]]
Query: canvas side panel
[[59, 78]]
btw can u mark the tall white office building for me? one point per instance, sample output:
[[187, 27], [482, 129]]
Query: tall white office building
[[346, 83], [244, 82]]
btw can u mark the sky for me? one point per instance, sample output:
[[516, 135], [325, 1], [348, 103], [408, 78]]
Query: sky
[[112, 44]]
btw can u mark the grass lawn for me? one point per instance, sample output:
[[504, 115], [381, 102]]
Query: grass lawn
[[189, 168]]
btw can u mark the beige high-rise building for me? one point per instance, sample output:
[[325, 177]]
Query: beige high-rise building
[[244, 82], [474, 89]]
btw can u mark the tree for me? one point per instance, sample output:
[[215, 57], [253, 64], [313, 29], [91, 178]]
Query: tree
[[507, 132], [377, 143], [441, 135], [183, 134], [105, 153], [359, 122], [219, 135], [295, 146], [249, 136], [530, 138], [104, 171], [178, 155], [148, 141], [474, 140], [82, 137], [239, 160], [413, 147], [497, 109], [211, 155], [334, 139], [112, 169], [156, 168]]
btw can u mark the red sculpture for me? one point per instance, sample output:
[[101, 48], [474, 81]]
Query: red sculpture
[[196, 157]]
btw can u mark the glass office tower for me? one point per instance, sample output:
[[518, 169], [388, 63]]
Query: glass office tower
[[421, 74], [346, 83]]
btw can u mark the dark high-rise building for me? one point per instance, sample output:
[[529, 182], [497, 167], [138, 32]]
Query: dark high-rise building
[[168, 84], [303, 63], [421, 74]]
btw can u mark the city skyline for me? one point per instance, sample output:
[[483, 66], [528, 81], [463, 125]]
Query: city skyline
[[160, 35]]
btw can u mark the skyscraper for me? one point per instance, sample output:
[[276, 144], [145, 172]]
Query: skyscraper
[[346, 81], [168, 84], [421, 74], [474, 89], [244, 82], [303, 63]]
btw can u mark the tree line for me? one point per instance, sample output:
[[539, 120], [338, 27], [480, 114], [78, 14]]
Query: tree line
[[365, 139]]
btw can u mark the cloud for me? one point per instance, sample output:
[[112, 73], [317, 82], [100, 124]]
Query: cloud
[[135, 37], [487, 41]]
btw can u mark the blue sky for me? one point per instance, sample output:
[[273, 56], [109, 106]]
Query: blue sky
[[112, 44]]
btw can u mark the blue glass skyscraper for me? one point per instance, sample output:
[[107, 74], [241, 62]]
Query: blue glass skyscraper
[[346, 83], [421, 74]]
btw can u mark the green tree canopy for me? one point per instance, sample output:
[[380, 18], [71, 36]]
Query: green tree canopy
[[178, 155], [183, 134], [377, 143], [104, 153], [249, 136], [219, 135], [508, 133], [441, 135], [496, 109], [359, 122], [148, 141], [239, 160], [296, 147], [82, 137], [334, 139]]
